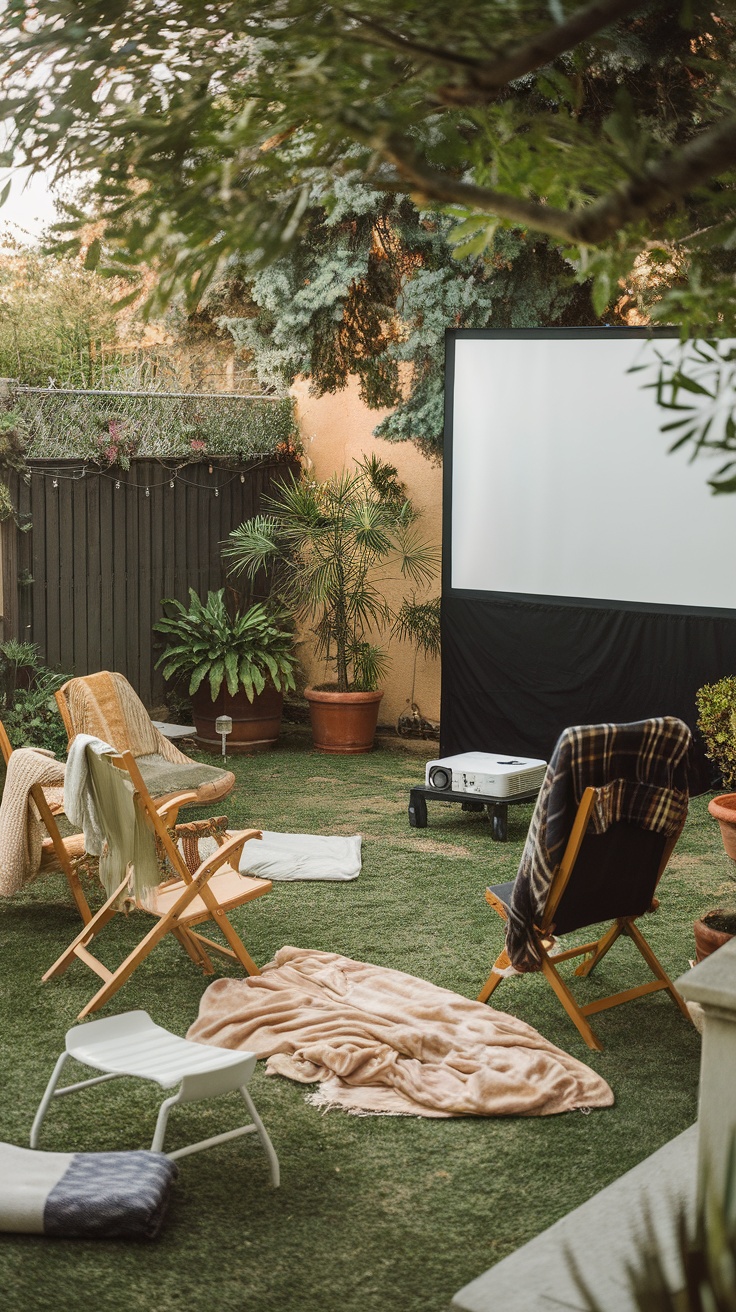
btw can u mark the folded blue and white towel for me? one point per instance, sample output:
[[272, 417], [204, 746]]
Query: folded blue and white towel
[[84, 1195]]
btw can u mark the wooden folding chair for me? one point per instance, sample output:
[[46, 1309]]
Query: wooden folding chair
[[122, 721], [64, 855], [194, 895], [600, 876]]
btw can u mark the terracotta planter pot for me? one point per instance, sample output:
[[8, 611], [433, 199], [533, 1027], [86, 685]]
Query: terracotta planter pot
[[256, 724], [708, 939], [343, 722], [723, 808]]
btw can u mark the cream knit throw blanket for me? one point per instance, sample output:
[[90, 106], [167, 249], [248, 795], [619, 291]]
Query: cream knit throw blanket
[[21, 831], [377, 1040], [105, 706]]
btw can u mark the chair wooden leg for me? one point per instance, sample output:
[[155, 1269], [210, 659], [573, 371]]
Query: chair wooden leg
[[85, 936], [570, 1005], [494, 979], [77, 892], [603, 946], [193, 949], [238, 947], [654, 964], [132, 961], [205, 943]]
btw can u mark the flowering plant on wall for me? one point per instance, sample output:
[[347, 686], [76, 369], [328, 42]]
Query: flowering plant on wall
[[118, 443]]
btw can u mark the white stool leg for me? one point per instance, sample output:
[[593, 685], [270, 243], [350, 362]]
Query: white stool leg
[[163, 1116], [45, 1101], [268, 1148]]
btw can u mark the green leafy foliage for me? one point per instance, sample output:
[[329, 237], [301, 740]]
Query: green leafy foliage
[[13, 446], [111, 427], [323, 544], [696, 388], [27, 686], [56, 321], [716, 703], [418, 622], [372, 287], [228, 136], [209, 128], [242, 650]]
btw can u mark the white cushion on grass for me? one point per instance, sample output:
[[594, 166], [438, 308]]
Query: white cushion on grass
[[302, 856]]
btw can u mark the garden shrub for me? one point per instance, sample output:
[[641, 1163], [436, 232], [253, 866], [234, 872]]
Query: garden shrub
[[29, 710], [716, 704]]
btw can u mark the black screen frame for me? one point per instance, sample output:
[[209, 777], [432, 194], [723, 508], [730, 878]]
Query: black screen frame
[[518, 668], [452, 336]]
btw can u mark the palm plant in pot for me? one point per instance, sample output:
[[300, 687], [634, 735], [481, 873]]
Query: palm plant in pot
[[326, 546], [239, 664]]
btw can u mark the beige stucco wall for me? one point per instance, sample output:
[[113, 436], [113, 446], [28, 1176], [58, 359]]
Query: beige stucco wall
[[335, 430]]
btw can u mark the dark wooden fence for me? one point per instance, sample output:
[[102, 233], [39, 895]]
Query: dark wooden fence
[[86, 580]]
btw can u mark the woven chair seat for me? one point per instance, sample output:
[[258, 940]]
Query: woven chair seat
[[164, 779]]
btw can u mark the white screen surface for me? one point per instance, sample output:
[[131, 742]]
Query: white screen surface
[[562, 485]]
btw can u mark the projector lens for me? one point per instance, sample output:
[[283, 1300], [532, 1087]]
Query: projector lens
[[439, 777]]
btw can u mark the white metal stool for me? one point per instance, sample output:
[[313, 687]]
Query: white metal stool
[[132, 1044]]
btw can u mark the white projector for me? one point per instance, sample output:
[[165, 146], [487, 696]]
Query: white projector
[[485, 773]]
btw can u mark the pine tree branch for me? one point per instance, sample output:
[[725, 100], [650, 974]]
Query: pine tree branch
[[703, 158]]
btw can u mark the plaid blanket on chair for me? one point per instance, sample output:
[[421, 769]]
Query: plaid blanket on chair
[[640, 773]]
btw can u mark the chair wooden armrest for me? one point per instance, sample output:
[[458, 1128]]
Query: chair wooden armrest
[[231, 847], [214, 827], [169, 809]]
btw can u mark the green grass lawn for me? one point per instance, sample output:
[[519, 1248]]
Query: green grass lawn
[[373, 1213]]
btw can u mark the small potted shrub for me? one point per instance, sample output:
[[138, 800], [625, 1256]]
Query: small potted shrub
[[716, 704], [238, 664], [327, 546], [713, 930]]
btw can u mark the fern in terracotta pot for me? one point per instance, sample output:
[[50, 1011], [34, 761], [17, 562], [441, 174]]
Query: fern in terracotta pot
[[239, 664], [327, 547], [716, 704]]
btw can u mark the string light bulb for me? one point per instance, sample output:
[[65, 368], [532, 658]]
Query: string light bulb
[[148, 491], [210, 469], [171, 483], [55, 483], [217, 491], [117, 484], [242, 478]]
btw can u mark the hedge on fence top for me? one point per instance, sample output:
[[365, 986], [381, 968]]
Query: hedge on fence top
[[112, 427]]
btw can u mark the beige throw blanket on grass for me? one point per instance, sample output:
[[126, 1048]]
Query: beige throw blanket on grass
[[378, 1040], [21, 831]]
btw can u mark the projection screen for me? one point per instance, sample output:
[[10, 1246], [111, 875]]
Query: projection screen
[[587, 574], [561, 482]]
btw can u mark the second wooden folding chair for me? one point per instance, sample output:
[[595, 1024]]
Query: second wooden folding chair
[[191, 897], [600, 877]]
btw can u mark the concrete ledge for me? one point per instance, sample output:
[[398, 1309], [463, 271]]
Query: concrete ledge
[[601, 1235]]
